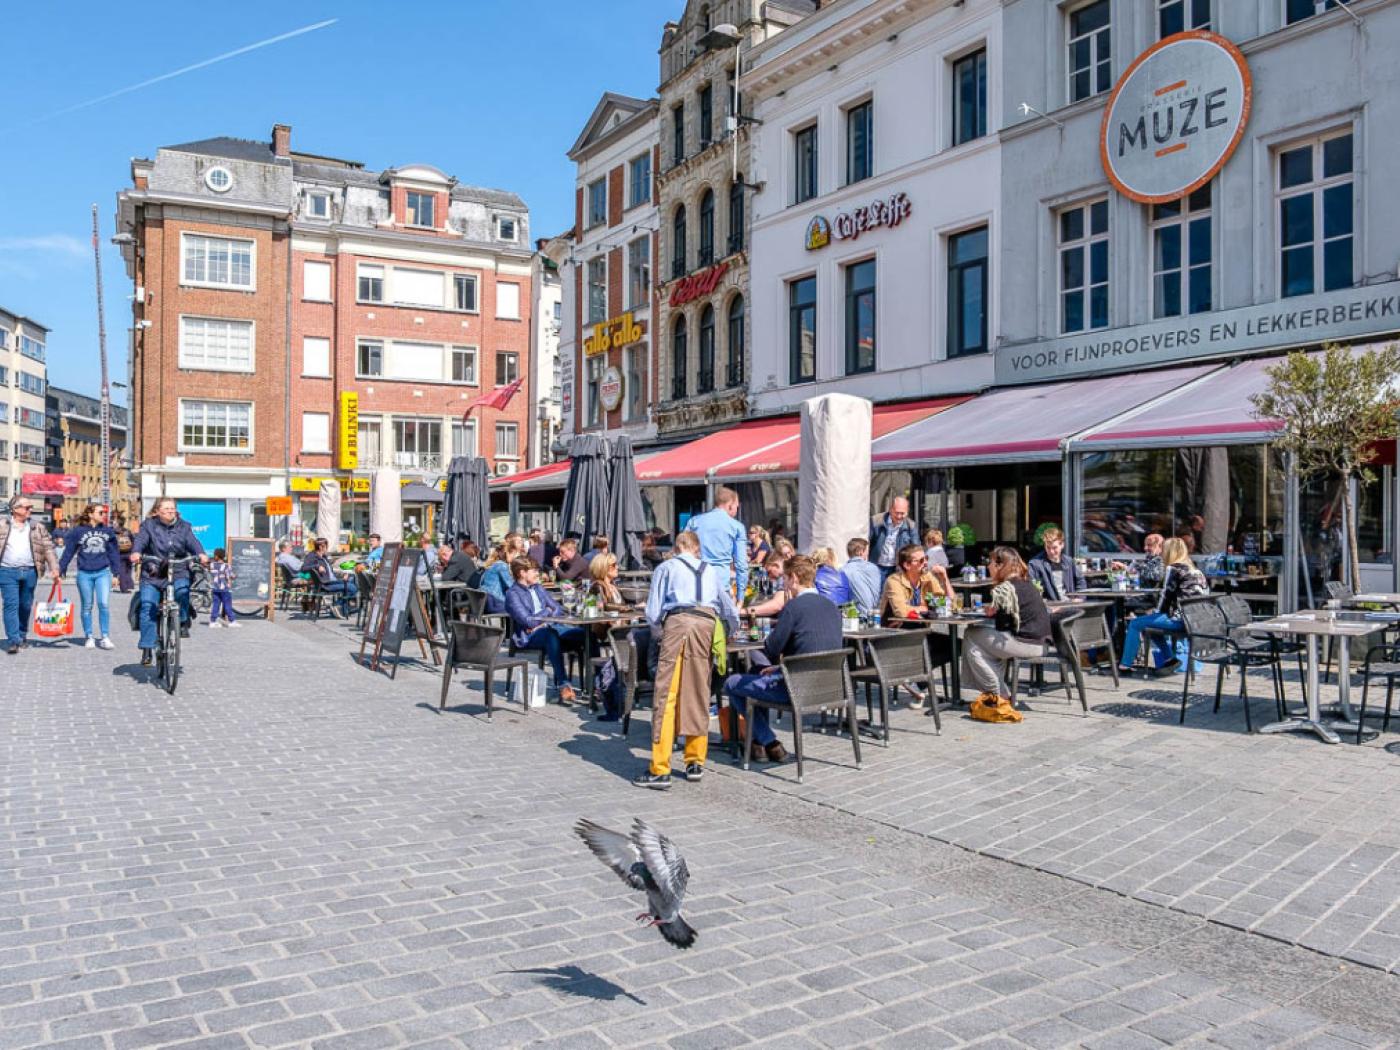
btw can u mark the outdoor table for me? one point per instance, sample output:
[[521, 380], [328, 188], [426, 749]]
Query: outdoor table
[[603, 617], [1324, 623], [1373, 598], [956, 625], [971, 586]]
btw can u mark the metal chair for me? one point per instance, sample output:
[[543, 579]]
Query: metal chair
[[291, 587], [1089, 630], [625, 658], [1063, 651], [898, 660], [364, 582], [1339, 592], [1211, 640], [1239, 616], [477, 647], [1382, 661], [816, 682]]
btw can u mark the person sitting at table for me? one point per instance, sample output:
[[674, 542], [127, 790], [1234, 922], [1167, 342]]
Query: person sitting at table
[[602, 574], [320, 567], [810, 623], [1183, 580], [759, 546], [528, 604], [651, 553], [540, 548], [496, 580], [567, 563], [906, 592], [286, 559], [376, 550], [933, 549], [444, 556], [1151, 569], [864, 579], [600, 546], [460, 565], [828, 581], [783, 548], [1056, 572], [1020, 627], [773, 568]]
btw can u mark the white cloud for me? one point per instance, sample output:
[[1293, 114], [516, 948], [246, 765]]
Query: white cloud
[[64, 244]]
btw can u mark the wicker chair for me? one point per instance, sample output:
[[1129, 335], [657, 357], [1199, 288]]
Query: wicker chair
[[292, 587], [898, 660], [816, 682], [477, 647]]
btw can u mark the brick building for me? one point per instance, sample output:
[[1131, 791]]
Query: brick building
[[23, 380], [299, 317]]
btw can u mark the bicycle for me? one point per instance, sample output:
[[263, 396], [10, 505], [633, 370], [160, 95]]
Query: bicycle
[[168, 629], [201, 591]]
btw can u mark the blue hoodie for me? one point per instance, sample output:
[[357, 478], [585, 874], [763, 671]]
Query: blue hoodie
[[95, 547]]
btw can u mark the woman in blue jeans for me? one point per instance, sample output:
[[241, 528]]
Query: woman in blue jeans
[[1182, 580], [94, 543], [528, 604]]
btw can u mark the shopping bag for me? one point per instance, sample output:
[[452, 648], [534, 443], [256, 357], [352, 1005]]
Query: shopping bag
[[529, 689], [988, 707], [53, 618]]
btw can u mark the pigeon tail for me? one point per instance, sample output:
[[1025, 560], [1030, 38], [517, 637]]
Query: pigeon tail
[[678, 932]]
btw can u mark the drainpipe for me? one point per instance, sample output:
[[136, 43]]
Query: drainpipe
[[287, 388]]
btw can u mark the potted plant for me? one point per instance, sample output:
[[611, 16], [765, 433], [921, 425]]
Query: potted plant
[[956, 539]]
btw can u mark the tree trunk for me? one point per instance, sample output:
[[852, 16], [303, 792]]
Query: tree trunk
[[1352, 551]]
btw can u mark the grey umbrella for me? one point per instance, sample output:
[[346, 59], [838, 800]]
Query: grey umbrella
[[466, 512], [586, 496], [624, 523]]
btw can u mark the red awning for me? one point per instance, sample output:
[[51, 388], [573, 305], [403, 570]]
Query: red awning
[[535, 474], [694, 461], [781, 459]]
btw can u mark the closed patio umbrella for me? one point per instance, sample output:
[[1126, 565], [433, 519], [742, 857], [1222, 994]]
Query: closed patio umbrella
[[625, 522], [584, 512], [328, 511], [466, 510], [386, 505]]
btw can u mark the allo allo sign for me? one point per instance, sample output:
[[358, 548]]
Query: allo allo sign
[[1175, 116]]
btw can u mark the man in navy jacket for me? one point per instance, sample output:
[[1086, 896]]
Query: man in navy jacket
[[891, 532], [809, 623], [528, 604]]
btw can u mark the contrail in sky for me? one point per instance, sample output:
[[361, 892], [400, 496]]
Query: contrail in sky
[[181, 72]]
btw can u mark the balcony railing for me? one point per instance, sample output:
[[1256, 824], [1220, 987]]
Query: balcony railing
[[422, 462]]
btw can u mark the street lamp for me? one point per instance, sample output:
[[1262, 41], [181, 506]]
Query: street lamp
[[727, 34]]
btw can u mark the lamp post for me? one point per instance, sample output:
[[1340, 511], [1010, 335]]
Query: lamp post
[[102, 360]]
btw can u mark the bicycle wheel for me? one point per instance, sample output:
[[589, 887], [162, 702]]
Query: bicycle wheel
[[171, 649]]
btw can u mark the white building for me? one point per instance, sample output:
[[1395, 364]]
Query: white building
[[880, 165], [544, 385], [23, 381]]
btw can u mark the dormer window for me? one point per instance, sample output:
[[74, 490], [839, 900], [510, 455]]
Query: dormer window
[[318, 206], [420, 209], [505, 228], [219, 179]]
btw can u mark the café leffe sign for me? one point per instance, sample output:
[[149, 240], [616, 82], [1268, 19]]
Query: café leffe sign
[[1175, 116], [848, 225], [613, 334]]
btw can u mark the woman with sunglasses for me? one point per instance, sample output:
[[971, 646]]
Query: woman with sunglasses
[[94, 543]]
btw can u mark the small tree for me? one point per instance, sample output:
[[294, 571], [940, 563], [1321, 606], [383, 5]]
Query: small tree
[[1334, 407]]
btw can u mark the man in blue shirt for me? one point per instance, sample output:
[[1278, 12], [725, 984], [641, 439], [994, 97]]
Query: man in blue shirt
[[724, 542], [376, 550], [865, 580], [687, 599], [889, 534]]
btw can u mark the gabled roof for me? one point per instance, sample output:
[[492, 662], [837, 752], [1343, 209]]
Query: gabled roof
[[600, 123], [226, 146]]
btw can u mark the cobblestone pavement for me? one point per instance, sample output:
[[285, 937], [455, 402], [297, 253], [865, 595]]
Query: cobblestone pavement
[[294, 851]]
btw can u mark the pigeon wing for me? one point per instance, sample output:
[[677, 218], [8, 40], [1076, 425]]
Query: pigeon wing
[[615, 850], [663, 861]]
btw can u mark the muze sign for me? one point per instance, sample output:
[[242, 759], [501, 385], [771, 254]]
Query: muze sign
[[1175, 116]]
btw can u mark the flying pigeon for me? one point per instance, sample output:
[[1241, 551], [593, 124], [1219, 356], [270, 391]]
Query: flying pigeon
[[648, 861]]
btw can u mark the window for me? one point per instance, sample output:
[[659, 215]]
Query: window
[[4, 377], [597, 203], [1315, 215], [418, 287], [219, 179], [1181, 251], [4, 338], [734, 375], [27, 453], [4, 412], [4, 450], [216, 262], [316, 281], [1175, 16], [678, 359], [967, 293], [216, 426], [464, 438], [592, 389], [802, 330], [216, 343], [707, 229], [597, 279], [860, 145], [970, 97], [1090, 61], [369, 284], [804, 144], [30, 417], [418, 444], [464, 364], [464, 292], [507, 367], [707, 350], [736, 215], [318, 206], [30, 384], [507, 441], [315, 356], [508, 300], [1297, 10], [505, 228], [639, 274], [634, 363], [369, 358], [860, 317], [1083, 248], [370, 441], [420, 209], [707, 114], [31, 348], [677, 133], [639, 180], [315, 432], [678, 268]]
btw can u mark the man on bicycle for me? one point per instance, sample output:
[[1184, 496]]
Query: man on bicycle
[[164, 535]]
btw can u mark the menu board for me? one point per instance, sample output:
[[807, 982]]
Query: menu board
[[397, 604], [251, 562], [379, 600]]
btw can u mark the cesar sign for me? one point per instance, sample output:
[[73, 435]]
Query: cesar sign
[[1175, 116]]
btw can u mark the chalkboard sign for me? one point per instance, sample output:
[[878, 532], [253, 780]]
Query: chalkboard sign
[[375, 619], [397, 602], [251, 562]]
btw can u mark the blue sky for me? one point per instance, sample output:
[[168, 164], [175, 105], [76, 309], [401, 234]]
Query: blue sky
[[491, 91]]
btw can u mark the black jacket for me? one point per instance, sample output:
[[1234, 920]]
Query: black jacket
[[157, 542], [460, 567], [810, 623]]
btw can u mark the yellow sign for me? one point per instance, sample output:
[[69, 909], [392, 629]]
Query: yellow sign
[[279, 506], [360, 487], [349, 430], [613, 334]]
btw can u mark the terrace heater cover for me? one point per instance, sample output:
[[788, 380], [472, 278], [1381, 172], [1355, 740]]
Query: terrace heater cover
[[833, 482], [328, 512], [386, 505]]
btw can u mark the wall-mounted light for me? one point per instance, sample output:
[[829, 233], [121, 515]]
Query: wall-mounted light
[[1027, 109]]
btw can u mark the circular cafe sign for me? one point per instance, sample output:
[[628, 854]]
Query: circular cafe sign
[[1175, 116], [610, 389]]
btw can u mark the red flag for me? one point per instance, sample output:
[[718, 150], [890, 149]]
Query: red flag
[[498, 398]]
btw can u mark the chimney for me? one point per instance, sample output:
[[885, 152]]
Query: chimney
[[281, 140]]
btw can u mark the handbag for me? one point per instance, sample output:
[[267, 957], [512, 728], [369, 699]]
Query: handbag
[[988, 707], [529, 689], [54, 619]]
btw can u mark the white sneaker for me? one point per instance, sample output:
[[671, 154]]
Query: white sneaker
[[105, 643], [214, 623], [89, 643], [234, 623]]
